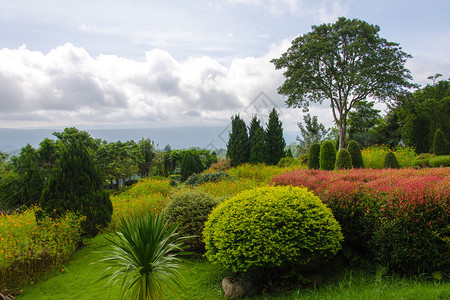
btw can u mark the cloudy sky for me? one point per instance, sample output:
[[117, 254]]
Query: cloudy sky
[[148, 63]]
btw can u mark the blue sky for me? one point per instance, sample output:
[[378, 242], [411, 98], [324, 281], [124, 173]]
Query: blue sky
[[172, 63]]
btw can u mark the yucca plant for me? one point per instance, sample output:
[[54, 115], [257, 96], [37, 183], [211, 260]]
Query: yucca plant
[[145, 256]]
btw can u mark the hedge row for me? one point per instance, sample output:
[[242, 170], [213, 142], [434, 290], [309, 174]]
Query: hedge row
[[401, 217]]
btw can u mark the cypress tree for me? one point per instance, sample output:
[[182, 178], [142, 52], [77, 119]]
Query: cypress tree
[[355, 153], [313, 157], [390, 161], [327, 157], [190, 164], [440, 144], [274, 139], [76, 185], [257, 139], [238, 147], [343, 160]]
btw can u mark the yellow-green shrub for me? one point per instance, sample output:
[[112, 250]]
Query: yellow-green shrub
[[271, 227]]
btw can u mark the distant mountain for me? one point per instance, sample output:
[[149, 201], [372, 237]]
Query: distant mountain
[[213, 137]]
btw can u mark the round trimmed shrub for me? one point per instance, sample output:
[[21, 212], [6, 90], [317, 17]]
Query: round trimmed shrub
[[190, 208], [327, 156], [343, 160], [271, 227], [313, 158], [355, 152], [440, 143], [390, 161]]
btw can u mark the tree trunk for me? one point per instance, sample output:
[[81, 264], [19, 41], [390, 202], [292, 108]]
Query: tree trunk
[[342, 133]]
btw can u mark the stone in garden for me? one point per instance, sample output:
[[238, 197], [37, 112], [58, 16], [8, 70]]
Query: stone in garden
[[237, 287]]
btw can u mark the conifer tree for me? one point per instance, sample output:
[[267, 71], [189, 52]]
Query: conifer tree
[[440, 143], [238, 148], [257, 139], [274, 139], [76, 185]]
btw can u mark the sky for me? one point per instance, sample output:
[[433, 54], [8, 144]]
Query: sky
[[146, 63]]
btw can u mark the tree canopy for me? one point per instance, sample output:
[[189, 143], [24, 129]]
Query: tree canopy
[[344, 62]]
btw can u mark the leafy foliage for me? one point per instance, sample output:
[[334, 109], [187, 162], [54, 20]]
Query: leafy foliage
[[327, 156], [440, 144], [197, 179], [144, 256], [361, 122], [390, 161], [271, 227], [190, 209], [190, 164], [343, 160], [314, 157], [312, 133], [373, 156], [440, 161], [355, 153]]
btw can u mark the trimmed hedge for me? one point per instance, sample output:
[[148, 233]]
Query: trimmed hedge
[[197, 179], [343, 160], [271, 227], [390, 161], [327, 157], [355, 152], [314, 157]]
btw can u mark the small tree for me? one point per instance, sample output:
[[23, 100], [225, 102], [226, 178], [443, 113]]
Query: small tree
[[343, 160], [440, 144], [355, 153], [190, 164], [390, 161], [274, 139], [76, 185], [238, 147], [314, 156], [327, 157], [312, 132]]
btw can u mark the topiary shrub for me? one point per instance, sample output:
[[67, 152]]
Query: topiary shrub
[[327, 156], [314, 155], [343, 160], [390, 161], [355, 153], [271, 227], [440, 145], [440, 161], [197, 179], [190, 208]]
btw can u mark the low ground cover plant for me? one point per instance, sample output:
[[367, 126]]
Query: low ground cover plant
[[401, 216], [29, 250]]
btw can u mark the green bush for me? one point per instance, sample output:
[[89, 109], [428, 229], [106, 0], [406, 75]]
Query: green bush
[[271, 227], [343, 160], [314, 157], [423, 160], [10, 189], [197, 179], [190, 164], [190, 209], [440, 144], [440, 161], [327, 155], [390, 161], [355, 153]]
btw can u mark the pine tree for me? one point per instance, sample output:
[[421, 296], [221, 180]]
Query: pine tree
[[76, 185], [238, 148], [257, 139], [274, 139]]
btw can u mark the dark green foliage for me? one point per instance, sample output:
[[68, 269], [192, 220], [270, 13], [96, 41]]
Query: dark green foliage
[[390, 161], [258, 147], [147, 154], [10, 189], [327, 156], [238, 147], [190, 164], [76, 185], [190, 209], [289, 153], [440, 161], [343, 160], [314, 157], [274, 139], [271, 228], [355, 153], [361, 121], [197, 179], [440, 144]]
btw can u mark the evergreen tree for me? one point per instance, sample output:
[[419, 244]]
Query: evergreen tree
[[343, 160], [274, 139], [313, 157], [327, 157], [76, 185], [190, 164], [440, 144], [257, 139], [355, 153], [238, 148]]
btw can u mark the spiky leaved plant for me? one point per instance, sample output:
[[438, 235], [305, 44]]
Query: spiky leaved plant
[[145, 256]]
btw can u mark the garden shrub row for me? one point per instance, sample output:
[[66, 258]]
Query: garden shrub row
[[197, 179], [399, 216]]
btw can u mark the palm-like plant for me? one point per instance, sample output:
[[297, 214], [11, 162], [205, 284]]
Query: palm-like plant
[[145, 256]]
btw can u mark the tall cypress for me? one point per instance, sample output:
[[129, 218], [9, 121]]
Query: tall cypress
[[257, 139], [238, 148], [274, 139], [76, 185]]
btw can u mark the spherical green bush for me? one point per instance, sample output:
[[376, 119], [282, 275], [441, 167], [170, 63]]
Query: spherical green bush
[[271, 227], [327, 157], [190, 208], [343, 160], [440, 144], [390, 161], [355, 152], [313, 158]]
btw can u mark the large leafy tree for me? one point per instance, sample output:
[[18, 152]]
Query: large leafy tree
[[238, 147], [275, 142], [345, 62]]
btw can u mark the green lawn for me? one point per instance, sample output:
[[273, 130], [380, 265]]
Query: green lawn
[[77, 280]]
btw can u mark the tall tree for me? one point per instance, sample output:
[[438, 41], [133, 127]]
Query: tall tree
[[274, 139], [238, 147], [257, 139], [312, 132], [361, 120], [344, 62]]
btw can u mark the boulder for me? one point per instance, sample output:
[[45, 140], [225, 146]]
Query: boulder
[[237, 287]]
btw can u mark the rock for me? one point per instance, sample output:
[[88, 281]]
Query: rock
[[237, 287]]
